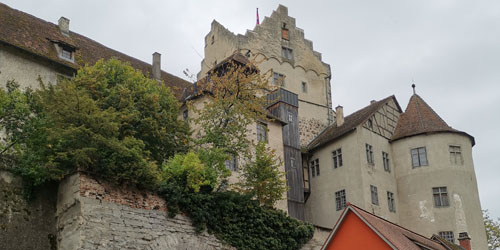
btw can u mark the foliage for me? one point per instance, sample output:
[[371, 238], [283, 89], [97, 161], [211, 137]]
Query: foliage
[[262, 178], [492, 230], [238, 219], [109, 120], [15, 119], [236, 100], [188, 171]]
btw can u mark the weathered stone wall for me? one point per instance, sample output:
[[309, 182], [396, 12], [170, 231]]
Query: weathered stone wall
[[94, 215], [309, 129], [26, 224]]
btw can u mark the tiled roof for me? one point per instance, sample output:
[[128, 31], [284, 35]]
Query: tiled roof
[[420, 118], [351, 121], [37, 36], [398, 236]]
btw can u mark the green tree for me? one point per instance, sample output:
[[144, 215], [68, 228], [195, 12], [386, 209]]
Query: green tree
[[262, 178], [109, 120], [492, 230], [236, 99]]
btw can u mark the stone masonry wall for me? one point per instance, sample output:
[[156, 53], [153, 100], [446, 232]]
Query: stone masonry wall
[[309, 129], [26, 224], [93, 215]]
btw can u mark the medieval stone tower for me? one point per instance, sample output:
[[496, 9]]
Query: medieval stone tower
[[279, 47]]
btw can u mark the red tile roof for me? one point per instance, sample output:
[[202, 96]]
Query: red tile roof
[[351, 121], [420, 118], [37, 36], [399, 237]]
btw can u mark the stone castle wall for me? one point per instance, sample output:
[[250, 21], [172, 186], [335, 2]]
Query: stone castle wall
[[26, 224]]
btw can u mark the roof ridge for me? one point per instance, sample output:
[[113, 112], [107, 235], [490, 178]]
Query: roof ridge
[[378, 217]]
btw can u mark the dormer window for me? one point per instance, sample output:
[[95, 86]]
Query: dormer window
[[66, 54], [65, 51]]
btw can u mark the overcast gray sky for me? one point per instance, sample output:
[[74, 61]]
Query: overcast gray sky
[[450, 48]]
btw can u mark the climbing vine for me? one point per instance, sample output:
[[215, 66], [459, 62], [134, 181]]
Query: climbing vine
[[238, 219]]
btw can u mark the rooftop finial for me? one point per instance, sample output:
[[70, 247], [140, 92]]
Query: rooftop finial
[[413, 85]]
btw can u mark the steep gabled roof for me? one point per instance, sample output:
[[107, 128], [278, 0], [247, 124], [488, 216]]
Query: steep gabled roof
[[420, 118], [395, 236], [37, 36], [351, 121]]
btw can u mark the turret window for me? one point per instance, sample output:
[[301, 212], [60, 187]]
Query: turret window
[[261, 132], [418, 157], [456, 155], [440, 195], [304, 87]]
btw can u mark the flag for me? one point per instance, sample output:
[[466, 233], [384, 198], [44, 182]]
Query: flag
[[258, 16]]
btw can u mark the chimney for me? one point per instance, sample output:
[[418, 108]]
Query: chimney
[[64, 26], [464, 240], [340, 115], [157, 66], [372, 101]]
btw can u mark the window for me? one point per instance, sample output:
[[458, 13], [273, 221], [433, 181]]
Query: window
[[369, 154], [284, 32], [315, 168], [374, 193], [440, 197], [340, 199], [304, 87], [290, 116], [385, 158], [261, 132], [287, 53], [66, 54], [390, 202], [456, 155], [185, 115], [418, 157], [370, 123], [232, 162], [337, 158], [447, 235], [278, 79]]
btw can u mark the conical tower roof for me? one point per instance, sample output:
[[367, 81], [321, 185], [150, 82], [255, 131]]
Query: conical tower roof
[[420, 118]]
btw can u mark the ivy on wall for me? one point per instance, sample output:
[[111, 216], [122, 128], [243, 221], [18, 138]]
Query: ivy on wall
[[238, 219]]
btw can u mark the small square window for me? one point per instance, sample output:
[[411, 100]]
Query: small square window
[[447, 235], [440, 195]]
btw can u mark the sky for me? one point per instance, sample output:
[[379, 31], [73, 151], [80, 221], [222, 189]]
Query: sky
[[449, 48]]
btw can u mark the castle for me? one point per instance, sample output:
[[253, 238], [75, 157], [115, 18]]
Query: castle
[[409, 167]]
